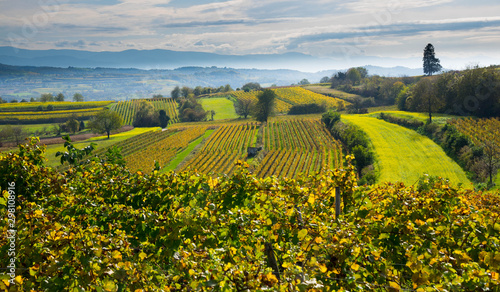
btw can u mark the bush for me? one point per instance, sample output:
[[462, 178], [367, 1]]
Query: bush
[[330, 119]]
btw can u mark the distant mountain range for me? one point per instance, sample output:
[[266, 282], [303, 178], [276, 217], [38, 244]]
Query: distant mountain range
[[166, 59]]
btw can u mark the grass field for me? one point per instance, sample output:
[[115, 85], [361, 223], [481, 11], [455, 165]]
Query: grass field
[[223, 108], [423, 117], [404, 155], [101, 141]]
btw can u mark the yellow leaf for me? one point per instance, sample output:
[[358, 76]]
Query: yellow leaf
[[116, 255], [227, 266], [355, 267], [322, 268], [19, 280], [191, 272], [311, 199], [302, 234], [376, 255], [318, 240], [109, 285], [394, 285], [142, 255]]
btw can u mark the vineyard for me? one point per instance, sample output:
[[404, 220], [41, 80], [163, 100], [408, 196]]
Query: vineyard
[[289, 96], [162, 151], [280, 106], [480, 131], [224, 148], [299, 95], [46, 116], [290, 147], [127, 109], [37, 112], [58, 106], [99, 227], [298, 146]]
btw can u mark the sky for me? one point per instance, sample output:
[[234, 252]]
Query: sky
[[357, 32]]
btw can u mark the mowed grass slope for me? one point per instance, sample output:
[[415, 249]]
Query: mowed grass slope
[[223, 108], [404, 155]]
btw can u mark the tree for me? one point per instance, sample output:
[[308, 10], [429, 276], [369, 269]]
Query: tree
[[185, 91], [2, 101], [491, 157], [212, 114], [18, 134], [78, 97], [325, 79], [46, 97], [431, 63], [354, 76], [251, 86], [304, 82], [176, 93], [50, 107], [82, 125], [191, 111], [6, 133], [363, 72], [423, 98], [243, 107], [265, 105], [198, 90], [164, 119], [338, 79], [105, 122], [59, 97], [72, 125], [146, 116]]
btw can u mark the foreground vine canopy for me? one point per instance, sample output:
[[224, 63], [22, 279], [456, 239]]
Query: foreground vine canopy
[[100, 227]]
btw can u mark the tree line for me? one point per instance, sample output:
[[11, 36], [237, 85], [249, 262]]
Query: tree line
[[48, 97]]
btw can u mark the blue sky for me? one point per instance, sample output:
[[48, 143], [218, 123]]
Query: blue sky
[[388, 33]]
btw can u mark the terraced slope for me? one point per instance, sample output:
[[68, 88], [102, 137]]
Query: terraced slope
[[404, 155]]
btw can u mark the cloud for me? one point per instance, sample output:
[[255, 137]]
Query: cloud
[[396, 29], [91, 29]]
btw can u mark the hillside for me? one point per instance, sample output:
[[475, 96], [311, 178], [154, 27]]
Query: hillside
[[404, 155]]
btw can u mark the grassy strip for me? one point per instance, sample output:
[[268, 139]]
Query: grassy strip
[[404, 155], [184, 153]]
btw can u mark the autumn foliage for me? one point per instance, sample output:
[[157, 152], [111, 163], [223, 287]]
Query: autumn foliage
[[99, 227]]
